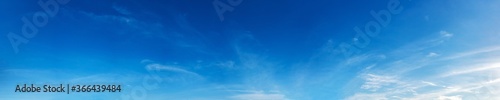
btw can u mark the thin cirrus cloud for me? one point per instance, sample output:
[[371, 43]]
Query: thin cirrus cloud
[[435, 67], [239, 59], [159, 67], [374, 82], [259, 96], [451, 84]]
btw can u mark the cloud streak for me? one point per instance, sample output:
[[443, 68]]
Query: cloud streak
[[259, 95], [159, 67]]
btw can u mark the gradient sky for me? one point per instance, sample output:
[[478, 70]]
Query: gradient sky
[[261, 50]]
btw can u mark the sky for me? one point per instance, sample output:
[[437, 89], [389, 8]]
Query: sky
[[253, 49]]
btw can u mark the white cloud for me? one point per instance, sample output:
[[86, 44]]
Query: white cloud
[[457, 97], [157, 67], [429, 83], [467, 86], [259, 96], [370, 67], [364, 96], [374, 82], [358, 59], [484, 67], [445, 34], [461, 81], [474, 52], [432, 54]]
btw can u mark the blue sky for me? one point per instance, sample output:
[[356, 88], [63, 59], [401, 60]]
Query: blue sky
[[259, 50]]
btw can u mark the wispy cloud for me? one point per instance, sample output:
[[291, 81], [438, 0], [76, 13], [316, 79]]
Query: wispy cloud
[[456, 97], [121, 9], [432, 54], [482, 67], [429, 83], [259, 95], [365, 96], [159, 67], [455, 86], [375, 82], [359, 59], [424, 43], [491, 49], [459, 81], [445, 34]]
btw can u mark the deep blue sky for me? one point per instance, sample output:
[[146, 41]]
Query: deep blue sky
[[262, 50]]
